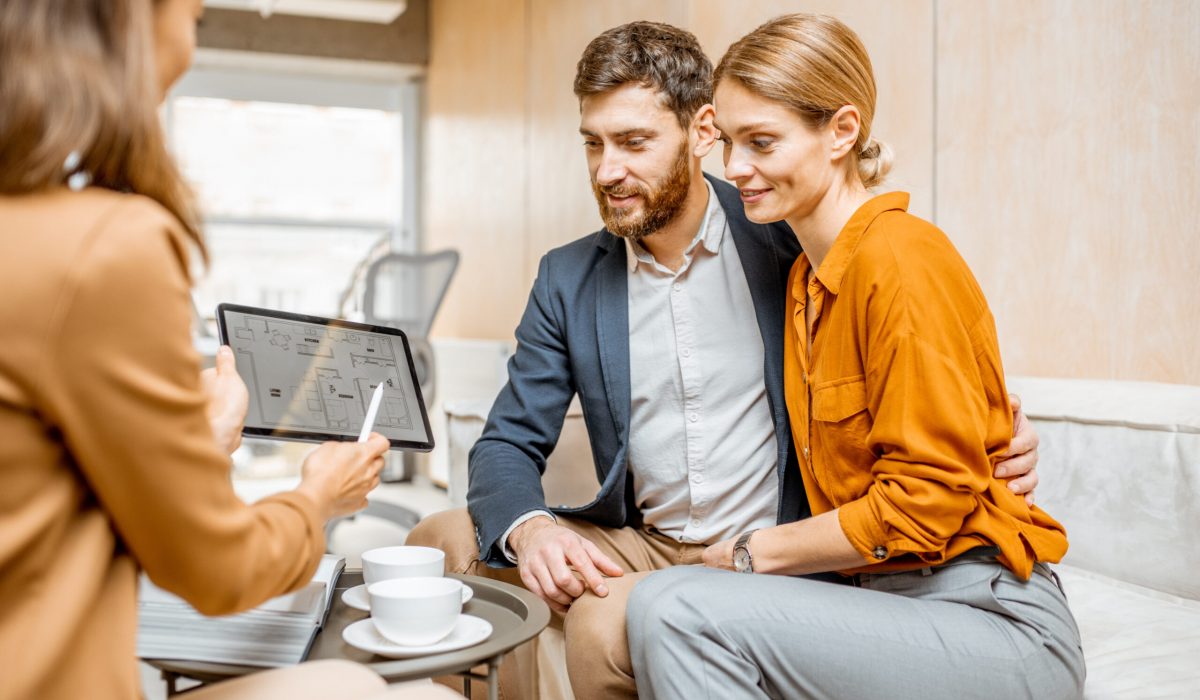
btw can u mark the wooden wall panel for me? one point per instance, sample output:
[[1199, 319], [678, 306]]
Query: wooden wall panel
[[505, 66], [1068, 175], [1054, 140], [561, 205], [899, 37], [475, 164]]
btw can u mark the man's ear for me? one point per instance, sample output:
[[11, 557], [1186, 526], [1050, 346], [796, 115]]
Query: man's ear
[[703, 132], [843, 129]]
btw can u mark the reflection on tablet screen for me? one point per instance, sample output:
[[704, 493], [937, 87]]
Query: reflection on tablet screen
[[317, 378]]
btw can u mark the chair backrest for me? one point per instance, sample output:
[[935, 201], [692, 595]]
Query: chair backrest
[[404, 290]]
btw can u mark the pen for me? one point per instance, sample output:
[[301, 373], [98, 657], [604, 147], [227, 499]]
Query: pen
[[372, 411]]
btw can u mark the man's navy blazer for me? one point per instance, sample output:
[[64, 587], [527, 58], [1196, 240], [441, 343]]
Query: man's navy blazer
[[574, 339]]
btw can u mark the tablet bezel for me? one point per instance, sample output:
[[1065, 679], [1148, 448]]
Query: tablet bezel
[[313, 436]]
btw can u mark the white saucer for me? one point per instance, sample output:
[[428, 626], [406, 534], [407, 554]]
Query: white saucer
[[357, 597], [469, 631]]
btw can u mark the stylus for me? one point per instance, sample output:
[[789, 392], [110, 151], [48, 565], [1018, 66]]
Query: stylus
[[372, 411]]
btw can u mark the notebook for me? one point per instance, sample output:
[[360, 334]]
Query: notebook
[[280, 632]]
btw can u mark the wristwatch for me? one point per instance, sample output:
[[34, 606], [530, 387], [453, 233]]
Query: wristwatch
[[743, 563]]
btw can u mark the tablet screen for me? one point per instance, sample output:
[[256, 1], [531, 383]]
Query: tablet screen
[[311, 378]]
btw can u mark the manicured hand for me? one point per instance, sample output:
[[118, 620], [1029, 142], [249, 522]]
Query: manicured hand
[[548, 557], [337, 476], [1020, 466], [228, 400]]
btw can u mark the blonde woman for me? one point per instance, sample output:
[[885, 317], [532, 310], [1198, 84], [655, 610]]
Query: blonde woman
[[114, 452], [898, 407]]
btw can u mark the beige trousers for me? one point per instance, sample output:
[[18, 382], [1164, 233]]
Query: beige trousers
[[597, 652], [316, 680]]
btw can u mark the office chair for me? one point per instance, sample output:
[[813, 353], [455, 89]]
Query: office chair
[[405, 290]]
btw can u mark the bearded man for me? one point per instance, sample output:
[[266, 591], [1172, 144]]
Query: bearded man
[[668, 324]]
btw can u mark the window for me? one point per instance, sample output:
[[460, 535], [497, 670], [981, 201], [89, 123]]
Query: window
[[301, 180]]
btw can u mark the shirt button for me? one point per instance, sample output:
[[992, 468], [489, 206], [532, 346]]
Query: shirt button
[[677, 287], [694, 417], [695, 522], [697, 478], [879, 552], [687, 352]]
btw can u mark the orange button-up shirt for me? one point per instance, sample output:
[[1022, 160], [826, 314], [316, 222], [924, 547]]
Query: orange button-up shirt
[[899, 412]]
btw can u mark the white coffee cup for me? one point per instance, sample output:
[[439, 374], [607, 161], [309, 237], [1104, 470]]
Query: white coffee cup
[[415, 611], [386, 563]]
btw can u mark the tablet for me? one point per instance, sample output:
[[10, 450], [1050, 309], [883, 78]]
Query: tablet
[[311, 378]]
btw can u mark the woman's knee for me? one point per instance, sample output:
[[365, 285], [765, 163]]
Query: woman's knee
[[670, 595]]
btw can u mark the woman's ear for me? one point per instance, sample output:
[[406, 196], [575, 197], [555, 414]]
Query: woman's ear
[[843, 129], [703, 132]]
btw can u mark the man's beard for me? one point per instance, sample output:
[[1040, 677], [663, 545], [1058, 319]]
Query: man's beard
[[659, 206]]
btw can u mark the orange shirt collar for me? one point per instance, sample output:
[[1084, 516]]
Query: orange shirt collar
[[835, 263]]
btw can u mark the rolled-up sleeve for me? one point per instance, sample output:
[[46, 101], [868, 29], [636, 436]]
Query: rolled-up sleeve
[[929, 429]]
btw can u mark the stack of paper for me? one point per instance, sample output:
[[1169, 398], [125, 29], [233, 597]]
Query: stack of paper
[[277, 633]]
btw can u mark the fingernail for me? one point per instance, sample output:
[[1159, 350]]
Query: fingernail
[[1013, 487], [1001, 472], [602, 590]]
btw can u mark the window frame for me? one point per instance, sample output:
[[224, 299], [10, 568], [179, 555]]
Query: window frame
[[326, 82]]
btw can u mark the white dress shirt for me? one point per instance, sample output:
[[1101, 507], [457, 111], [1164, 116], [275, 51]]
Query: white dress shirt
[[702, 446], [702, 443]]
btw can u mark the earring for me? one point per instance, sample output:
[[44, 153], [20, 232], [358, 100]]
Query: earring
[[76, 179]]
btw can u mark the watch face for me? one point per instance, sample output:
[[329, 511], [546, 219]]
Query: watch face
[[741, 560]]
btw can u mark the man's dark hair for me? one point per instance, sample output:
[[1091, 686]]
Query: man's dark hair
[[666, 59]]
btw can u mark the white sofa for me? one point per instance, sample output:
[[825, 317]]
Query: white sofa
[[1120, 467]]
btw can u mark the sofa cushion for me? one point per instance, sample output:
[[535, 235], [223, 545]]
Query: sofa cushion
[[570, 478], [1139, 643], [1120, 467]]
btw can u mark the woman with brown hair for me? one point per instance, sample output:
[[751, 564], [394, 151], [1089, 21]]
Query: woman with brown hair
[[114, 451], [896, 395]]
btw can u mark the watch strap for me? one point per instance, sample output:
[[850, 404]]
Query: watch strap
[[743, 543]]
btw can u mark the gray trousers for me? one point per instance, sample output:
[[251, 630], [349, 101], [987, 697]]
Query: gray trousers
[[969, 629]]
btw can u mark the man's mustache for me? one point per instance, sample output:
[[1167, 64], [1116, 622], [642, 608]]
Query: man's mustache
[[618, 190]]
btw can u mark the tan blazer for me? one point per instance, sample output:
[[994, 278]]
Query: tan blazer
[[107, 461]]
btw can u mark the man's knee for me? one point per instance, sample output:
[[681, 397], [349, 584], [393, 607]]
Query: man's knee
[[451, 531], [595, 622], [598, 662]]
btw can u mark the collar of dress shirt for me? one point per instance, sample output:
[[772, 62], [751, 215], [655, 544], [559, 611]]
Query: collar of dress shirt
[[833, 267]]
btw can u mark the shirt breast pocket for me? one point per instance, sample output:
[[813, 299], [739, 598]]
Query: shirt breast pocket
[[841, 423]]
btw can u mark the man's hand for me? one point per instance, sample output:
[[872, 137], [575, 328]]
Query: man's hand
[[548, 555], [1020, 466], [228, 400]]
